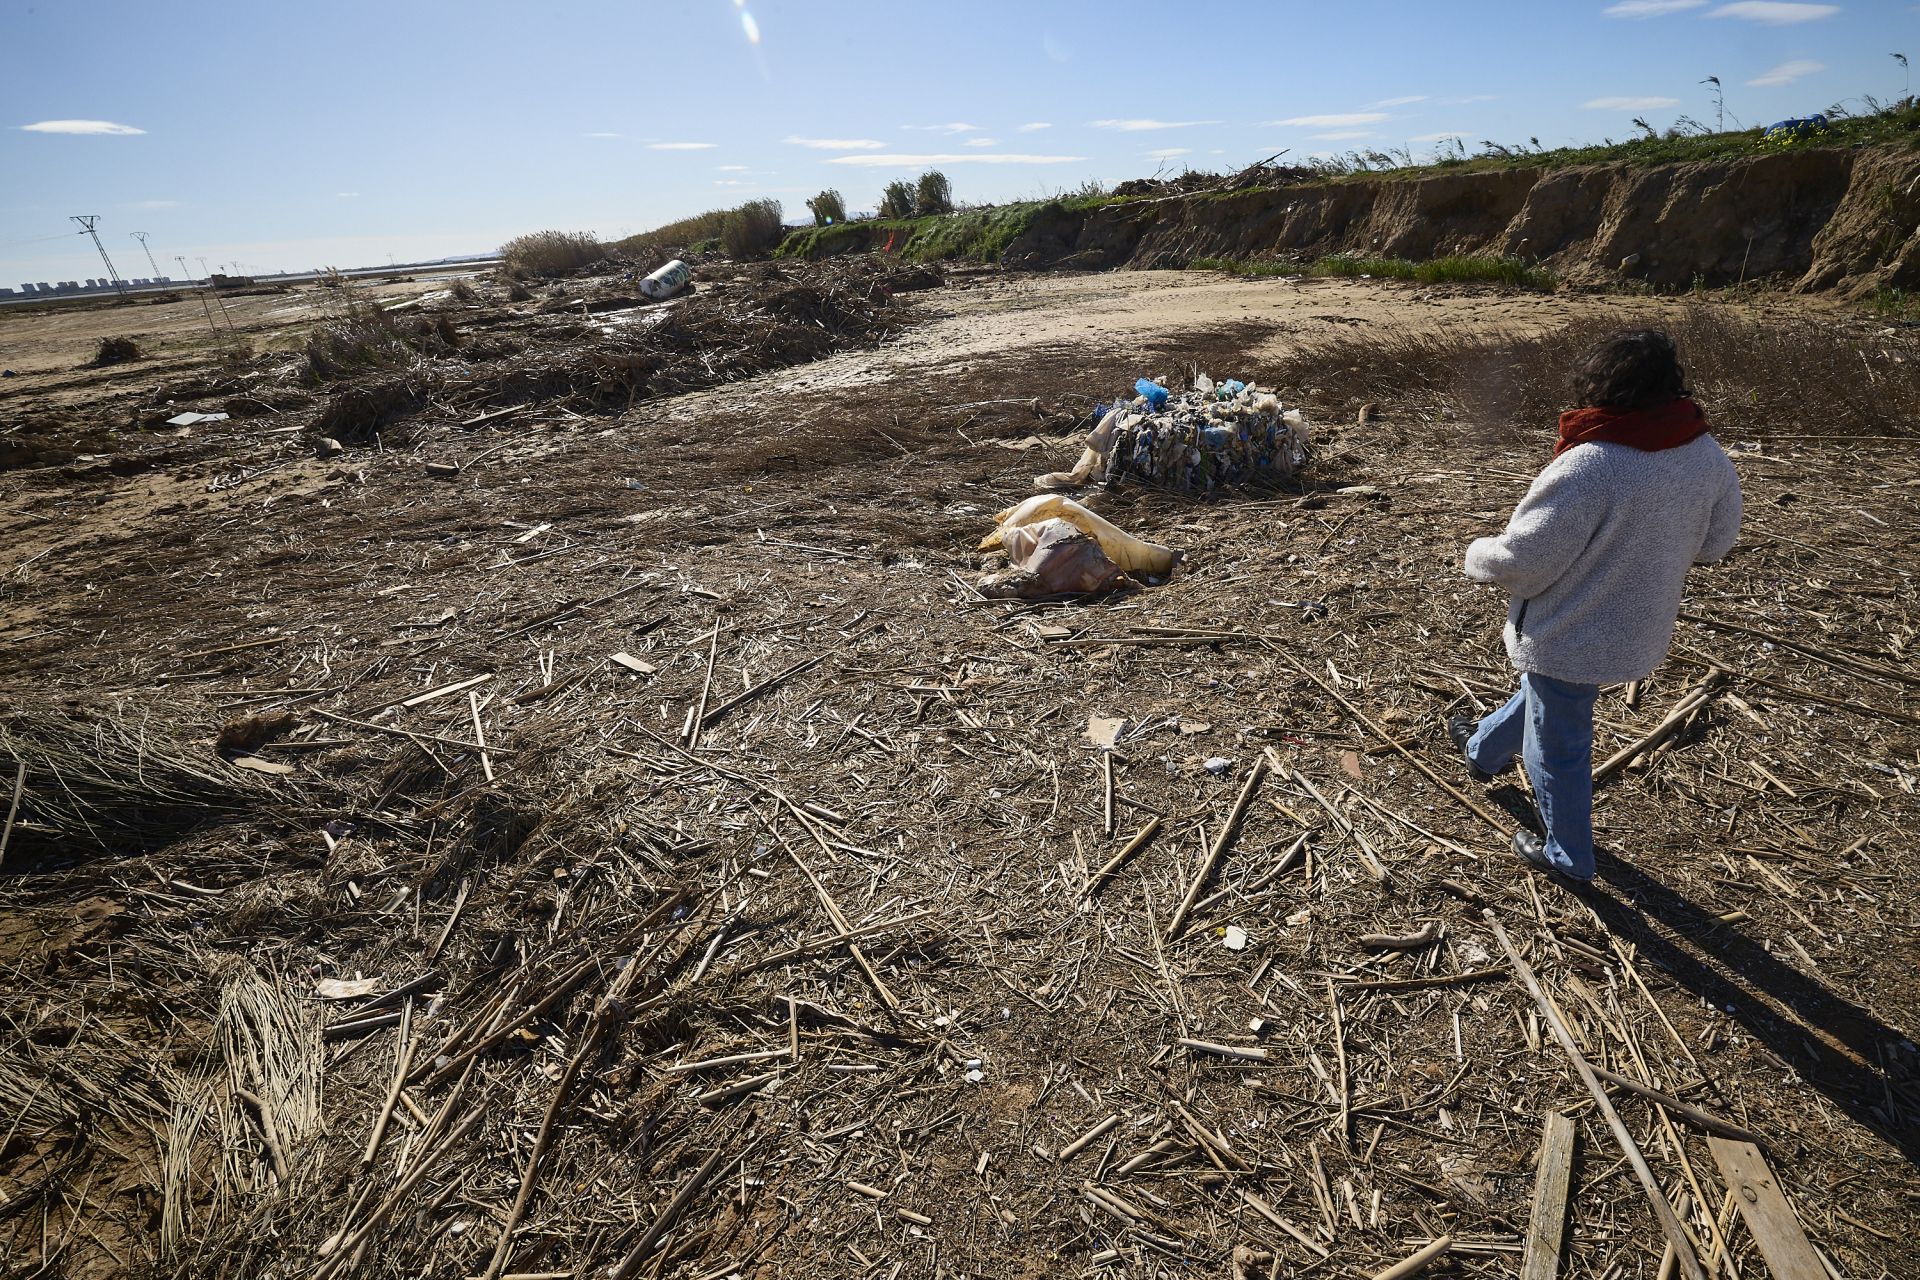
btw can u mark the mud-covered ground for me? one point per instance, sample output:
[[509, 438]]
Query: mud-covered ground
[[774, 945]]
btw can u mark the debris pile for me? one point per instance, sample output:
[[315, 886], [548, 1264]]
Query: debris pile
[[1226, 435]]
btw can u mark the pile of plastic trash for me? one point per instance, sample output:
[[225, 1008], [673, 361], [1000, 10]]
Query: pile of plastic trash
[[1217, 436]]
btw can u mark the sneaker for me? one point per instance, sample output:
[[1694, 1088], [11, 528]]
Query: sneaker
[[1460, 732], [1532, 850]]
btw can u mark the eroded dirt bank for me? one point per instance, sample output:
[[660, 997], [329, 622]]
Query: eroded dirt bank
[[1814, 219]]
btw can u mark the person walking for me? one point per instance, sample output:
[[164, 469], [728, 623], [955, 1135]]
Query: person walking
[[1595, 561]]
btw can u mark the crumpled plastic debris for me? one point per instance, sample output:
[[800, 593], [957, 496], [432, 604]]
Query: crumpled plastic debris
[[1130, 553], [1056, 547], [1215, 436], [1053, 558]]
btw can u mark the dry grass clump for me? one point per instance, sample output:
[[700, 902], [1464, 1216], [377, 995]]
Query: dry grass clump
[[674, 236], [360, 411], [115, 778], [363, 337], [1754, 374], [115, 351], [752, 230], [551, 253], [463, 291]]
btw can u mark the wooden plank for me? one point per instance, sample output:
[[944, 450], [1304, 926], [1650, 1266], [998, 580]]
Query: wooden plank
[[1547, 1228], [1788, 1254]]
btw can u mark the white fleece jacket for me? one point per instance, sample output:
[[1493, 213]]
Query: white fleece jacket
[[1596, 556]]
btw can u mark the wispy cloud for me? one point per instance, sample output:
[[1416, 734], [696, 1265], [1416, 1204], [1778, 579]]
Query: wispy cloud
[[983, 142], [681, 146], [1651, 8], [729, 168], [1034, 127], [1168, 153], [950, 130], [894, 160], [346, 195], [600, 133], [1471, 97], [1629, 104], [1773, 14], [839, 144], [728, 182], [79, 126], [1408, 100], [1141, 126], [1786, 73], [1341, 120]]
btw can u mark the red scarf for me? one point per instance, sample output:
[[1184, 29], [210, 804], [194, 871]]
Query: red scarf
[[1666, 426]]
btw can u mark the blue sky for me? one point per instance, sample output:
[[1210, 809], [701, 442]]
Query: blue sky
[[287, 135]]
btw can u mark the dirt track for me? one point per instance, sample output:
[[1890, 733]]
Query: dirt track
[[1753, 948]]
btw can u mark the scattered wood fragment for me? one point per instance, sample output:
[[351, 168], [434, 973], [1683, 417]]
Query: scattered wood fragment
[[1416, 1263], [1677, 1236], [1776, 1230], [1689, 702], [1249, 1053], [1693, 1115], [1141, 839], [13, 808], [1547, 1223], [1088, 1138], [1425, 936], [1503, 827], [1221, 842]]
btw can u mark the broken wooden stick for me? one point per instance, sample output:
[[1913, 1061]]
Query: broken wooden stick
[[1425, 936], [1504, 828], [1374, 866], [610, 1007], [1683, 1247], [1690, 702], [1693, 1115], [1416, 1263], [1141, 839], [1088, 1138], [13, 810], [1228, 830], [770, 683], [1250, 1053], [630, 1265]]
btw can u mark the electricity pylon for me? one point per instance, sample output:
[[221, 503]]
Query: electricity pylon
[[141, 236], [87, 221], [198, 294]]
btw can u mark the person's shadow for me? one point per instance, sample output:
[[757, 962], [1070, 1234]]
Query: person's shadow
[[1869, 1069]]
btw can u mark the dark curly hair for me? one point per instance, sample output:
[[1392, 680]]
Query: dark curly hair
[[1639, 369]]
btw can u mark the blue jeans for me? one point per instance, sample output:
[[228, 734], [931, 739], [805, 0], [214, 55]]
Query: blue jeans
[[1549, 725]]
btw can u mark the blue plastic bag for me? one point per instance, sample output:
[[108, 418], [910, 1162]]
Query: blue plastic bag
[[1155, 393]]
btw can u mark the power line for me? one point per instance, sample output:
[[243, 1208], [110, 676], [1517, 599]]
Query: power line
[[87, 221]]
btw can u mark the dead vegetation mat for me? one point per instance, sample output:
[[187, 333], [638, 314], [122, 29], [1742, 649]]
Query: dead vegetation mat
[[684, 872]]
